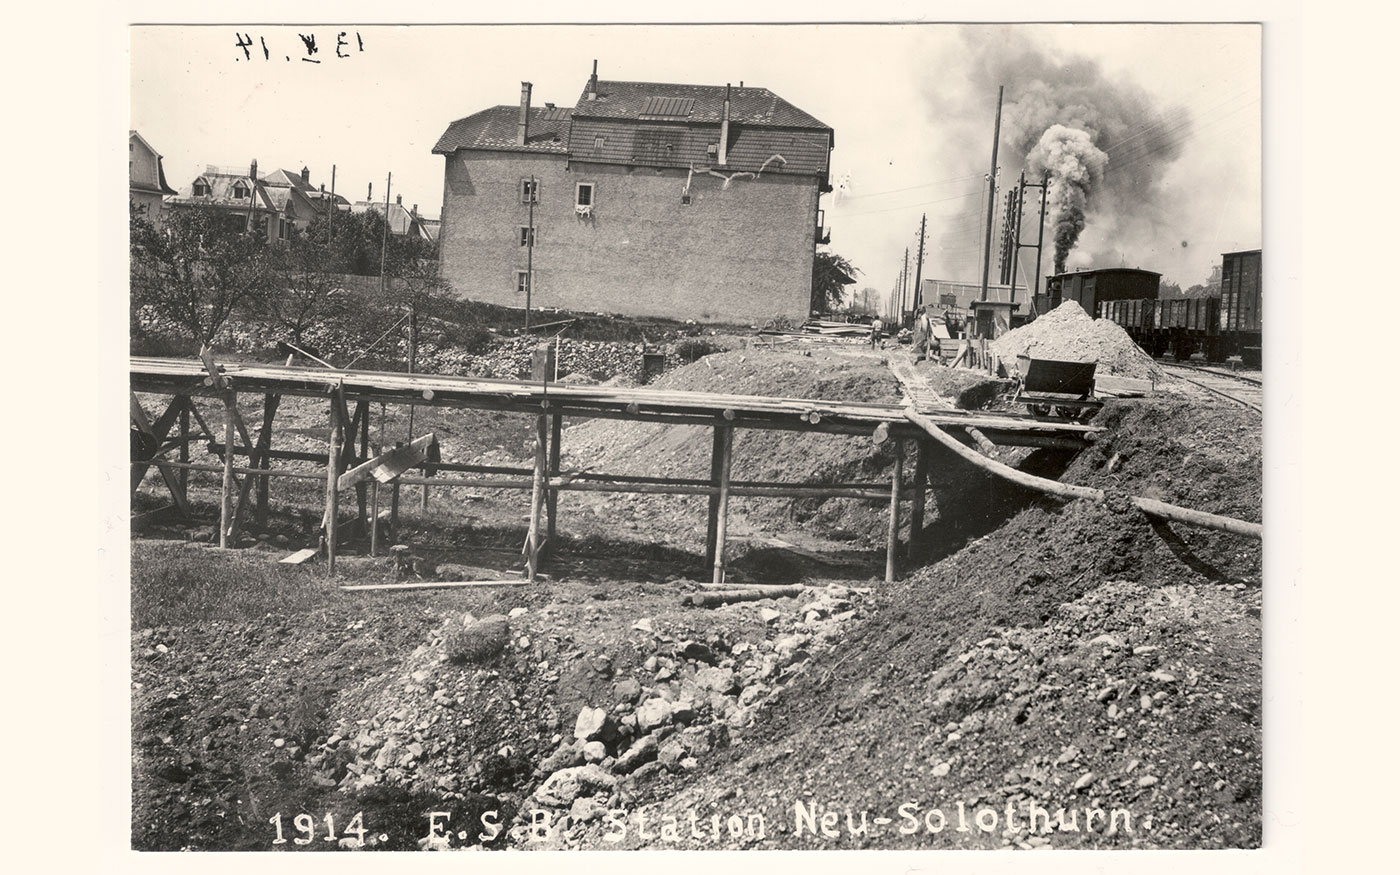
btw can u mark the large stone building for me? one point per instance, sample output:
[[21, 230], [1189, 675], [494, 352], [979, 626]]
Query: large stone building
[[687, 201]]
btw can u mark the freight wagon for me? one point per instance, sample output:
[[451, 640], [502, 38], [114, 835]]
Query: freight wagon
[[1093, 288], [1216, 327]]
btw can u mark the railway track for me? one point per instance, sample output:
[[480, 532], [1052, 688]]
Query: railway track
[[1245, 391]]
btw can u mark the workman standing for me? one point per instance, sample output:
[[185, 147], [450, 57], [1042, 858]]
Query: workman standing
[[876, 326]]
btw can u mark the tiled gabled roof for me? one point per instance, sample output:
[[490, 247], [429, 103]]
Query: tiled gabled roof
[[692, 103], [495, 129]]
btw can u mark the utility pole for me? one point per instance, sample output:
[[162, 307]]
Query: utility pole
[[330, 216], [530, 253], [1040, 236], [907, 298], [1044, 186], [919, 266], [384, 248], [1018, 193], [991, 197]]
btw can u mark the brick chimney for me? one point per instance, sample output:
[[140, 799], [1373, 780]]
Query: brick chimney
[[523, 129], [593, 82], [398, 199], [724, 130], [305, 176], [253, 170]]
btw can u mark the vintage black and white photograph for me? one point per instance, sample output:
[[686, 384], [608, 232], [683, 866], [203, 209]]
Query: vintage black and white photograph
[[696, 437]]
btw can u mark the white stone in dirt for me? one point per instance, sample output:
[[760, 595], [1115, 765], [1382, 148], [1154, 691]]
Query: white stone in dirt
[[789, 644], [1084, 780], [518, 612], [720, 680], [752, 693], [564, 786], [642, 751], [653, 713], [671, 754], [942, 769], [595, 752], [768, 615], [586, 809]]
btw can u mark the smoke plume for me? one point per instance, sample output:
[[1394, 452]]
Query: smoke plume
[[1108, 144], [1075, 167]]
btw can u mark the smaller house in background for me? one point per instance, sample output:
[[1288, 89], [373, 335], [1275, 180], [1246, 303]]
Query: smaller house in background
[[402, 222], [301, 200], [147, 178], [246, 202]]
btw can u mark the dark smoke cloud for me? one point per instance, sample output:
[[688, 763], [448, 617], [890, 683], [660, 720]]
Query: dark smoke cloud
[[1123, 201], [1075, 167]]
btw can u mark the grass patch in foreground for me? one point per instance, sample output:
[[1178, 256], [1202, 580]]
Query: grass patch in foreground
[[176, 585]]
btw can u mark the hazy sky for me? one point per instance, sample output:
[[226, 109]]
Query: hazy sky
[[912, 107]]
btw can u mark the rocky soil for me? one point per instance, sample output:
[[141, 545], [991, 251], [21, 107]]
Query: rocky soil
[[1069, 658]]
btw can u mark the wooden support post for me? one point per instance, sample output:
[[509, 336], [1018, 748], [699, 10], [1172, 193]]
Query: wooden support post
[[916, 514], [722, 515], [892, 546], [537, 490], [374, 518], [712, 519], [361, 489], [183, 477], [333, 457], [262, 460], [155, 434], [556, 428], [226, 491]]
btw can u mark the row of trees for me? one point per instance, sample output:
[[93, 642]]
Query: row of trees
[[197, 270]]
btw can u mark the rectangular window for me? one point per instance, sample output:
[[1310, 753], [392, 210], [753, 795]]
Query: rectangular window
[[529, 191], [598, 143], [527, 236], [583, 197], [522, 281]]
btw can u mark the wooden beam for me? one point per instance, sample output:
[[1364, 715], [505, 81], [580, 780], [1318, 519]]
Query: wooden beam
[[916, 512], [556, 430], [722, 512], [724, 597], [712, 516], [430, 584], [270, 403], [184, 475], [333, 456], [892, 543], [537, 488], [226, 490], [155, 434], [361, 489], [387, 467]]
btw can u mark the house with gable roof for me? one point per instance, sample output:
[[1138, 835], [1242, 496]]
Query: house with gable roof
[[243, 200], [147, 178], [686, 201]]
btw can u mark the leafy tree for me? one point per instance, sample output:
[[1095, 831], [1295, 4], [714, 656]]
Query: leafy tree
[[307, 289], [197, 270], [830, 275]]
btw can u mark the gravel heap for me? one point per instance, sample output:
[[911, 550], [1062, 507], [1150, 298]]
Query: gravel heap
[[1069, 334]]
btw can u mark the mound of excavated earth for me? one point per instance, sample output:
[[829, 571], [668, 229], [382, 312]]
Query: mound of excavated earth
[[1069, 334], [1078, 659]]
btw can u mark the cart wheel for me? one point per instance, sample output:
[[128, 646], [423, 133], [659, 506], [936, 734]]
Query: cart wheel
[[1087, 414], [1039, 409]]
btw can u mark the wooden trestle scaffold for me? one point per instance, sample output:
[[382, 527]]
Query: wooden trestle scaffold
[[351, 463]]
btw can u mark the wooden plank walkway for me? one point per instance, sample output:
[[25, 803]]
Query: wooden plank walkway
[[189, 377]]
